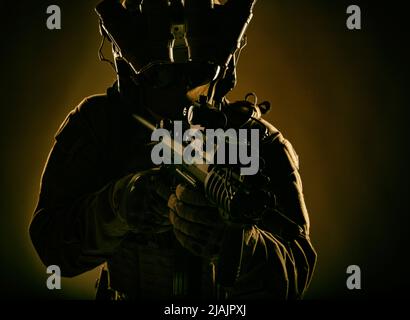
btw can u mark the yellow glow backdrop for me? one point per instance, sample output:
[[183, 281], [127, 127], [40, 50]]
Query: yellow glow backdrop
[[335, 94]]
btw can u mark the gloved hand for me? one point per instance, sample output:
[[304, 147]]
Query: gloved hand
[[197, 225], [141, 203]]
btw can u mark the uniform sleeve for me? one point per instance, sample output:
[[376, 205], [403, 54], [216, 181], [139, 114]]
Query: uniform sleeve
[[74, 225], [275, 258]]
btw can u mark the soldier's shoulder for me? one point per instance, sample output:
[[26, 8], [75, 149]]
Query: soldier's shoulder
[[92, 107], [89, 118], [277, 141]]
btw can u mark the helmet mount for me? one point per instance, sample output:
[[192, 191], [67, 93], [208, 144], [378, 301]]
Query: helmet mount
[[151, 33]]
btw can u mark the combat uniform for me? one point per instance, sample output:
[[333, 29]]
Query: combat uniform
[[97, 149]]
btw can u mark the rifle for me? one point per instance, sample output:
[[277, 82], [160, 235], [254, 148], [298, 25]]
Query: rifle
[[239, 198]]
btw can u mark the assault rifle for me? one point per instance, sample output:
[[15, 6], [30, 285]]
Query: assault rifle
[[240, 198]]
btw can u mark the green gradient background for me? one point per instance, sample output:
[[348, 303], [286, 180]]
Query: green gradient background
[[339, 96]]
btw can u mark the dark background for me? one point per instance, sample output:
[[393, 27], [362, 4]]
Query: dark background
[[339, 96]]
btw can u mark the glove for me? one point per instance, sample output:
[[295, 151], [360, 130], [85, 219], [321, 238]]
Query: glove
[[198, 226], [141, 202]]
